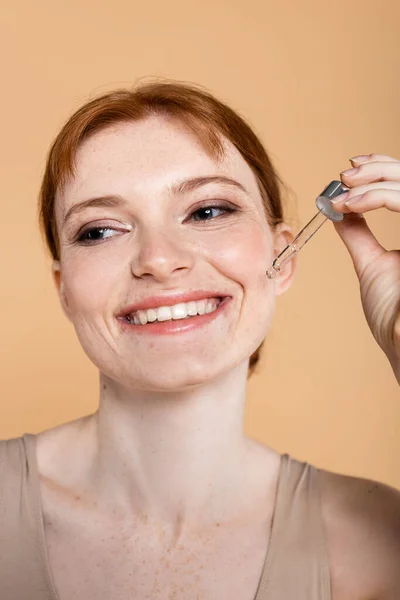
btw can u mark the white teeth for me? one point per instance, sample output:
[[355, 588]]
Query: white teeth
[[201, 306], [182, 310], [142, 317], [191, 308], [179, 311], [151, 315], [164, 313]]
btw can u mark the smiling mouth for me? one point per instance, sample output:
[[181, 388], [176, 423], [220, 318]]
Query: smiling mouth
[[177, 312]]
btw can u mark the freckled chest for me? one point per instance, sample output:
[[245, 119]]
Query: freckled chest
[[91, 556]]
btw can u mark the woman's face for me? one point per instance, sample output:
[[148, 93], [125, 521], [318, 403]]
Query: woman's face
[[145, 237]]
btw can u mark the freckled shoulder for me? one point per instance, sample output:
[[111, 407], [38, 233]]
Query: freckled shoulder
[[362, 523]]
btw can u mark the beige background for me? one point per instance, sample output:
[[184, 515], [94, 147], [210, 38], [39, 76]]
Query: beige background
[[318, 80]]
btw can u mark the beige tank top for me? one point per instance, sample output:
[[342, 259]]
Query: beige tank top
[[296, 565]]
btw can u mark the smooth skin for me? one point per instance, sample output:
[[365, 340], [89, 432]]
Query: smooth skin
[[363, 517], [374, 182], [159, 493]]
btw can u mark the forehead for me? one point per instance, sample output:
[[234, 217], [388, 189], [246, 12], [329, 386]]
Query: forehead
[[145, 157]]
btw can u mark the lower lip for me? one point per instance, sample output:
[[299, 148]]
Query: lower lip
[[178, 326]]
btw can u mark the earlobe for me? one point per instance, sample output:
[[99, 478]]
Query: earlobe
[[284, 279], [56, 271], [57, 277]]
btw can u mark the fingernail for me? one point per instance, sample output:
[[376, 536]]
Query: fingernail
[[340, 198], [352, 216], [350, 171], [360, 158], [353, 200]]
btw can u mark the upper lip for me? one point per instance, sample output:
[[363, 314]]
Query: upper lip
[[169, 300]]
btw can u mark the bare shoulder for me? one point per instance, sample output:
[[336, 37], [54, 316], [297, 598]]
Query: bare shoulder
[[55, 444], [362, 522]]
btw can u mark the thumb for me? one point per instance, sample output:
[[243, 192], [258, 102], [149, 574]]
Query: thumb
[[359, 240]]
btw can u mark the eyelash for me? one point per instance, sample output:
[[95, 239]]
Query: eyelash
[[83, 239]]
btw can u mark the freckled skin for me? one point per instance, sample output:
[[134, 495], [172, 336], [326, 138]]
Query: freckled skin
[[136, 560], [139, 161], [159, 494]]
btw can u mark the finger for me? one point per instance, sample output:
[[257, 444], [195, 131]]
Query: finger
[[371, 172], [364, 158], [359, 240], [369, 197]]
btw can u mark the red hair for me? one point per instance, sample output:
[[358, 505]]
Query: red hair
[[205, 115]]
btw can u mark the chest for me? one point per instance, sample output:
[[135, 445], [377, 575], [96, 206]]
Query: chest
[[94, 557]]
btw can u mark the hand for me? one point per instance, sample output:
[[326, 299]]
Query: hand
[[375, 181]]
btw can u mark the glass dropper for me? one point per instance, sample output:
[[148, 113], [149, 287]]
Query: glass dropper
[[325, 212]]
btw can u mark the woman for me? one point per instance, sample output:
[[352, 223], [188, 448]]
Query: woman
[[160, 207]]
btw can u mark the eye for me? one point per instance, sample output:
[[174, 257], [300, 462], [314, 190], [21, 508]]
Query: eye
[[210, 212], [207, 213], [95, 234]]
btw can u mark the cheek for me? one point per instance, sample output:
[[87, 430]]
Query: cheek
[[244, 258], [89, 284], [244, 255]]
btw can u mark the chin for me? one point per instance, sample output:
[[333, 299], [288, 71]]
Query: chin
[[171, 377]]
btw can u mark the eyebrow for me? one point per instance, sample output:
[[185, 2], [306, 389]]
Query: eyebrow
[[183, 187]]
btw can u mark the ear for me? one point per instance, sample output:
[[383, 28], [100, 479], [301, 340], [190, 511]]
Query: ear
[[283, 235], [57, 277]]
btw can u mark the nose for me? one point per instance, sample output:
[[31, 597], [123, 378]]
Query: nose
[[161, 255]]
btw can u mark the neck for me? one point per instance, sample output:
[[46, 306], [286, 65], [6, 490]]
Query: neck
[[176, 458]]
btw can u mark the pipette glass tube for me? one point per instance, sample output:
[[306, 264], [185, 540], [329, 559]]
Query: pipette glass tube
[[305, 234], [325, 212]]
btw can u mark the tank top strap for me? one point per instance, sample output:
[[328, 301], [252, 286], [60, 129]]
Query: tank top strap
[[297, 565], [22, 559]]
